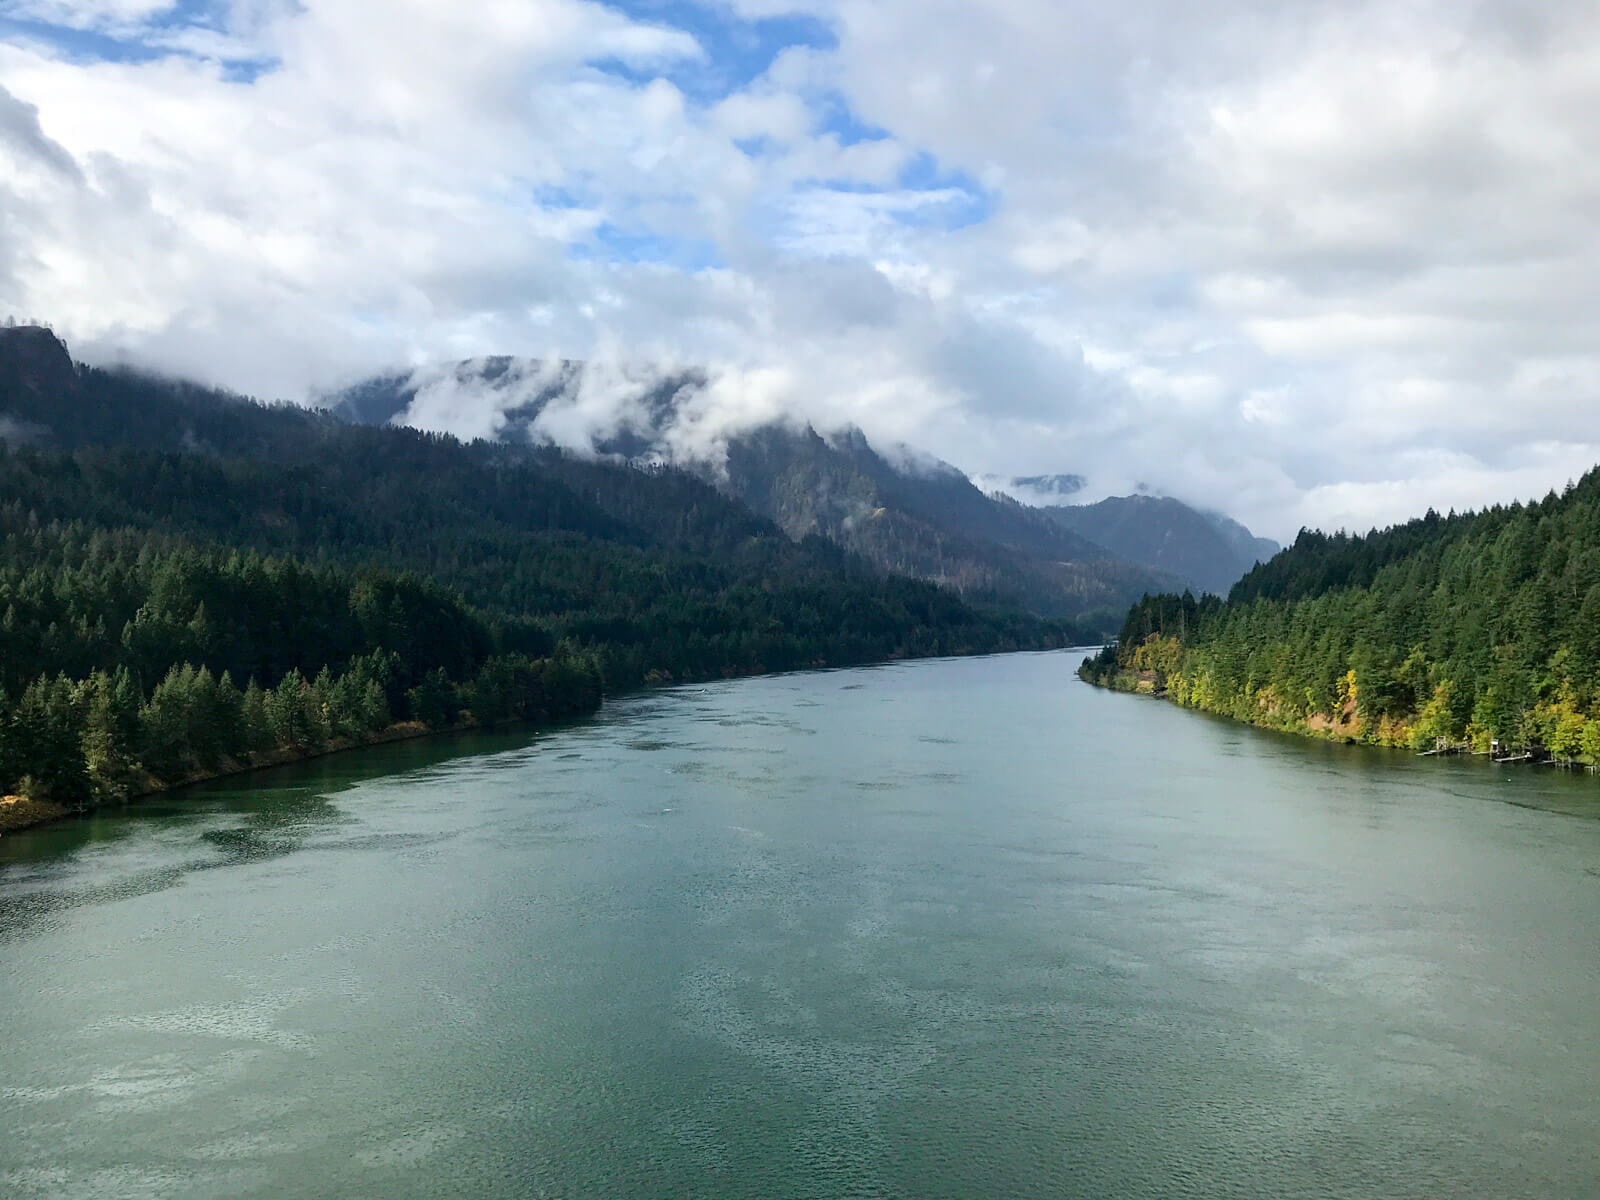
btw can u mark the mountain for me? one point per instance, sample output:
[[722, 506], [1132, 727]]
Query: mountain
[[163, 545], [35, 362], [1246, 545], [1471, 629], [1208, 551], [901, 510], [922, 517]]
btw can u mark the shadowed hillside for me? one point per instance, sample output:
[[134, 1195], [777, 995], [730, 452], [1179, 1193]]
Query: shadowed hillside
[[1208, 551]]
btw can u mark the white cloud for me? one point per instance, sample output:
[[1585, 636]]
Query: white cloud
[[1322, 263]]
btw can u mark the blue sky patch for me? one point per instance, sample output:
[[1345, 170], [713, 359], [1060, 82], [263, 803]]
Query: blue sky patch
[[143, 41], [613, 243], [969, 201], [736, 50], [838, 119], [80, 44]]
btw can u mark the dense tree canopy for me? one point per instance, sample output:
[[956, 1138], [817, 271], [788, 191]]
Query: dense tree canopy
[[1470, 628]]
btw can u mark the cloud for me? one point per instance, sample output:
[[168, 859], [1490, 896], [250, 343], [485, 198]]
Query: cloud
[[1320, 263], [467, 400], [21, 134], [19, 432]]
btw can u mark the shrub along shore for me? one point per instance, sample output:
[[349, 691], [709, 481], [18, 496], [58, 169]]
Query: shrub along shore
[[18, 812]]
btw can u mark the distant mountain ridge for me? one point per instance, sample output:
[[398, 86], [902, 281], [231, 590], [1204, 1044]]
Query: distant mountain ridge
[[1207, 550], [904, 511]]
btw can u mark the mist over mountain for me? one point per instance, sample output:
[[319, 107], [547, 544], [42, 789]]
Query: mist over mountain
[[592, 409], [1037, 491], [903, 510], [194, 582]]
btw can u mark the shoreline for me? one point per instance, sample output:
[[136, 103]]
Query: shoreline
[[18, 814], [1320, 728]]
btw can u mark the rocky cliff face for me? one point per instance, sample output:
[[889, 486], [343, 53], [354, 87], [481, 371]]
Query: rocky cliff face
[[919, 516], [35, 361], [36, 378]]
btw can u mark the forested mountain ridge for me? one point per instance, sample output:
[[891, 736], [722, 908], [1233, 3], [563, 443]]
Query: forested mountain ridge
[[1207, 551], [928, 520], [905, 513], [164, 547], [1470, 628]]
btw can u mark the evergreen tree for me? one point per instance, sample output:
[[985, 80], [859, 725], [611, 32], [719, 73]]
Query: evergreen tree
[[1480, 627]]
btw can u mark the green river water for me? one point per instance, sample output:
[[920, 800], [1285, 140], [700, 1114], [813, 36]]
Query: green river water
[[962, 928]]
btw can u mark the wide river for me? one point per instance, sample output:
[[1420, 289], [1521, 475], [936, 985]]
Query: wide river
[[963, 928]]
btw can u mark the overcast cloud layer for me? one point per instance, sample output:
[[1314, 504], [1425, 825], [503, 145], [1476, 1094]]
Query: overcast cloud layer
[[1318, 264]]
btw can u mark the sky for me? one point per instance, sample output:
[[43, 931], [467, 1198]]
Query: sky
[[1311, 264]]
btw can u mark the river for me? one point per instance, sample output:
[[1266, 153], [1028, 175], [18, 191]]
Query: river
[[957, 928]]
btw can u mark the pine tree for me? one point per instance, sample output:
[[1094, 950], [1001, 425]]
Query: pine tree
[[111, 724], [255, 725]]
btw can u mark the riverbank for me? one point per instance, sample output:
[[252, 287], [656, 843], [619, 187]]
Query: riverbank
[[21, 812], [1345, 727]]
